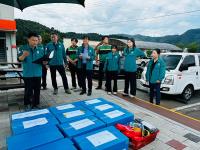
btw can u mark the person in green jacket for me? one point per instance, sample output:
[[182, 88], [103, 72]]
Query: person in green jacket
[[86, 56], [44, 65], [32, 72], [102, 51], [57, 62], [155, 74], [131, 53], [71, 56], [112, 69]]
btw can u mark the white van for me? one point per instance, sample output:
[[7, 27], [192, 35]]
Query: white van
[[182, 74]]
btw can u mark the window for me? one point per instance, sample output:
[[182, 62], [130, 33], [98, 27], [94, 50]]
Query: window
[[189, 61], [171, 61]]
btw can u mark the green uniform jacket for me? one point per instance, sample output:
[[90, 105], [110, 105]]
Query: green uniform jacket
[[31, 69], [158, 72], [91, 54], [71, 52], [112, 62], [103, 51], [130, 58], [59, 57]]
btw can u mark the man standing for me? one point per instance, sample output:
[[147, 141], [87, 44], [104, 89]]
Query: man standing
[[86, 55], [102, 51], [31, 72], [57, 62], [44, 66], [72, 58]]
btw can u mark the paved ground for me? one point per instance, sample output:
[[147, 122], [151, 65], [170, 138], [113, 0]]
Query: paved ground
[[172, 135]]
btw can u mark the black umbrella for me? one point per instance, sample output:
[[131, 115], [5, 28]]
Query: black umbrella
[[21, 4]]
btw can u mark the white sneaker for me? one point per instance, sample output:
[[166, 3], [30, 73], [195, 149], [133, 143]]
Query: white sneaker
[[132, 96], [109, 93], [115, 93], [124, 94]]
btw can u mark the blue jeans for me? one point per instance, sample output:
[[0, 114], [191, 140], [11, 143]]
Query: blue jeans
[[155, 91]]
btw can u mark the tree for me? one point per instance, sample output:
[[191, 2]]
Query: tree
[[193, 47]]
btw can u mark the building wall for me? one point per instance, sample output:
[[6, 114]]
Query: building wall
[[7, 16]]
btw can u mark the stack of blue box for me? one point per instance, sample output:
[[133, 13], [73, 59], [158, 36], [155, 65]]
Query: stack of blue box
[[32, 120], [103, 139], [82, 126], [73, 114], [87, 124]]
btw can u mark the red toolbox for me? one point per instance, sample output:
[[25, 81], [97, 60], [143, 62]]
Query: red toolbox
[[137, 141]]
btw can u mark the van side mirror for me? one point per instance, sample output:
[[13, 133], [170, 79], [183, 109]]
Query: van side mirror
[[183, 67]]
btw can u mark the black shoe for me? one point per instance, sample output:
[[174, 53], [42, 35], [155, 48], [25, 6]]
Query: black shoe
[[68, 91], [36, 107], [151, 101], [82, 93], [27, 107], [157, 103], [89, 93], [98, 88], [55, 92]]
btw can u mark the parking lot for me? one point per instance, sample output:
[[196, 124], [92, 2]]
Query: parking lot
[[174, 103]]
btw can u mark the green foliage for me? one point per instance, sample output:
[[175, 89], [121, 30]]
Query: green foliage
[[148, 52], [193, 47]]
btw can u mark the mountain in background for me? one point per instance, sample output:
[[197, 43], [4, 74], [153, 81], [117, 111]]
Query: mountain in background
[[190, 37]]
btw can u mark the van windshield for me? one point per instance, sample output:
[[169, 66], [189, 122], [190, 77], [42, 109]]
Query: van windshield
[[171, 61]]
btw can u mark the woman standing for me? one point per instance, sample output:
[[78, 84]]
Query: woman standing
[[112, 68], [155, 74], [131, 53]]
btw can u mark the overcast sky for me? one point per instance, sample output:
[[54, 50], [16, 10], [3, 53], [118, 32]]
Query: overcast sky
[[103, 16]]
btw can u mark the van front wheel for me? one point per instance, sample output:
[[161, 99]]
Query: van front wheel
[[187, 93]]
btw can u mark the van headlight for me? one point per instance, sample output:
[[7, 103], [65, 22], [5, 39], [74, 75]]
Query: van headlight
[[169, 80]]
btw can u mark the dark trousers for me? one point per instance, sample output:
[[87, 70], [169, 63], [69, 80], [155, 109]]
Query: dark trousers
[[130, 78], [111, 75], [62, 73], [44, 76], [86, 74], [101, 74], [74, 72], [155, 91], [32, 90]]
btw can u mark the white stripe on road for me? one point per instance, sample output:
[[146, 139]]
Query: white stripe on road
[[185, 107]]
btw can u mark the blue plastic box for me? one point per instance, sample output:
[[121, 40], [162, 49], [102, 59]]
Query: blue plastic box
[[115, 116], [103, 107], [64, 144], [74, 114], [82, 126], [20, 126], [62, 108], [104, 139], [29, 114], [34, 138]]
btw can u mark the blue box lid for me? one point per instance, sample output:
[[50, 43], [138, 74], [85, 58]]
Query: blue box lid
[[64, 144], [81, 126], [22, 115], [115, 116], [75, 114], [103, 107], [35, 138], [64, 107], [102, 139], [32, 123], [93, 102]]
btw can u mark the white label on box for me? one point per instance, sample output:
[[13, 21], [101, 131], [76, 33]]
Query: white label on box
[[93, 101], [73, 113], [103, 107], [114, 114], [30, 114], [101, 138], [63, 107], [81, 124], [35, 122]]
